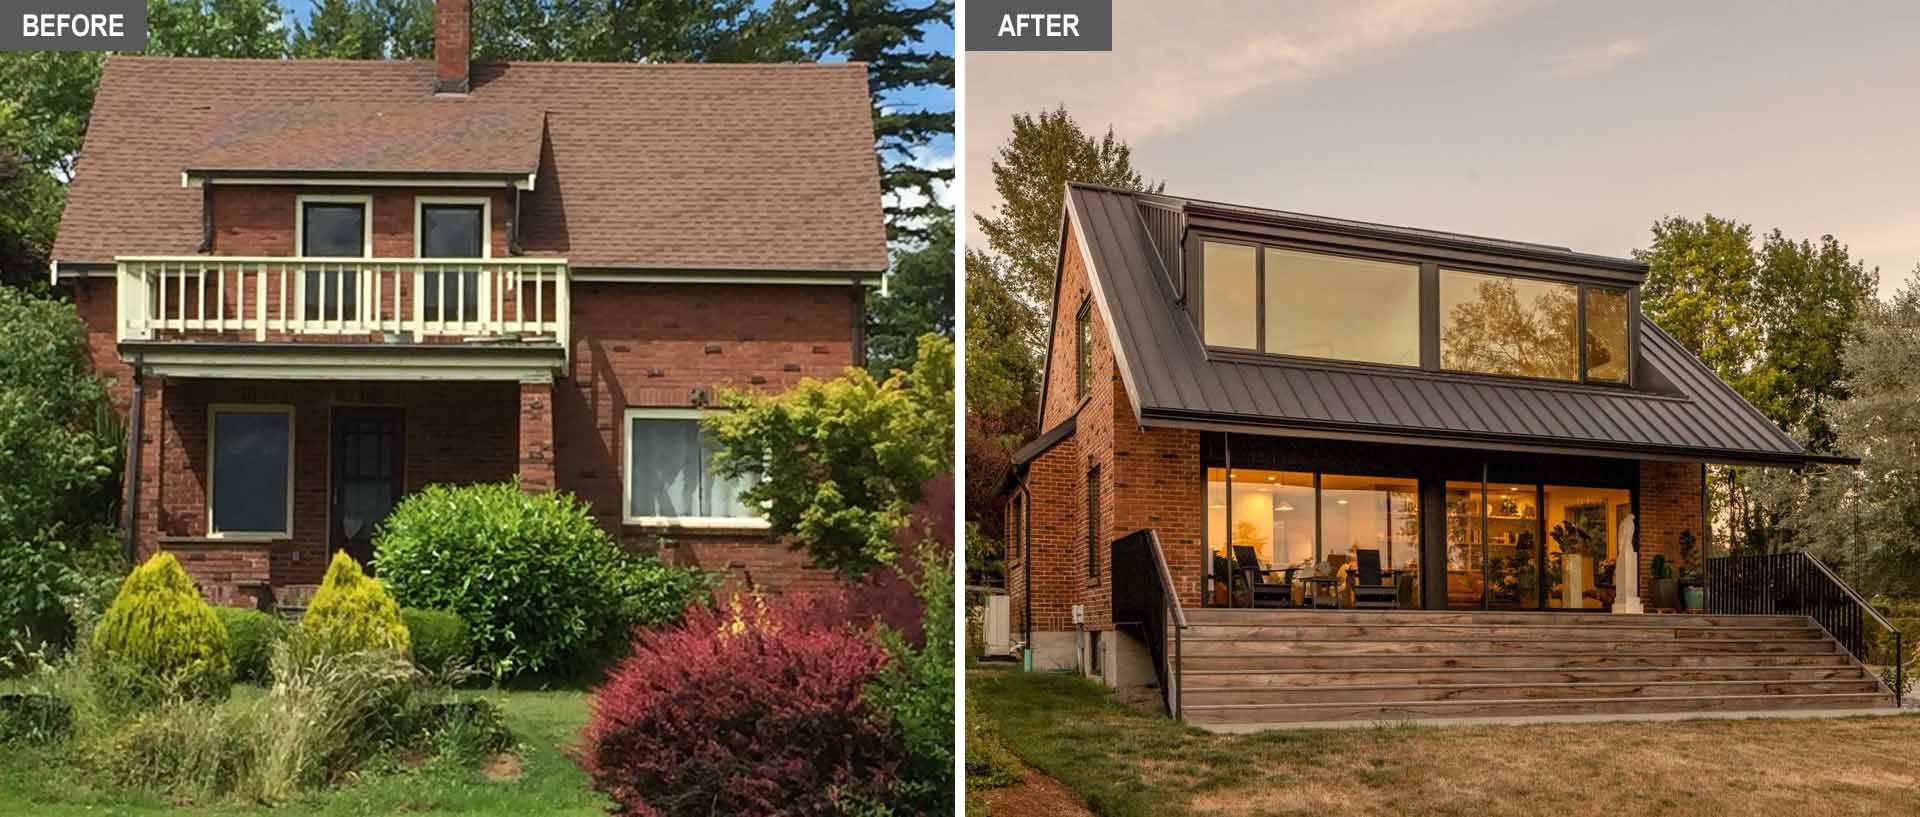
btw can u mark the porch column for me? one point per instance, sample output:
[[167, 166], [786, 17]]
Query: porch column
[[536, 437]]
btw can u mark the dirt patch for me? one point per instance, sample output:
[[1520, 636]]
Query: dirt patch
[[1038, 796], [503, 768]]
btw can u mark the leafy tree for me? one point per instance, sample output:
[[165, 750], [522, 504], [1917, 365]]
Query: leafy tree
[[216, 28], [919, 301], [614, 31], [341, 30], [1865, 519], [841, 462], [30, 202], [1771, 320], [1010, 286], [889, 36]]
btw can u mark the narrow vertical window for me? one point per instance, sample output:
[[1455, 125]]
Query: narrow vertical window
[[1093, 522], [1083, 353], [1228, 297], [1608, 357]]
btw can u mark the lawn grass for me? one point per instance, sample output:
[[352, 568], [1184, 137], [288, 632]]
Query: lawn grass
[[38, 781], [1129, 763]]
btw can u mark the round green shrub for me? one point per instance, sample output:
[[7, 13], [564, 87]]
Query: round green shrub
[[161, 639], [541, 586], [439, 638], [251, 635], [352, 613]]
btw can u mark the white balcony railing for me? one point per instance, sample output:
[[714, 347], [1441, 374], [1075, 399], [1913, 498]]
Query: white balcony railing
[[401, 299]]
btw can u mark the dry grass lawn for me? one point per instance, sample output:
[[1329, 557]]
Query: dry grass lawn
[[1126, 762]]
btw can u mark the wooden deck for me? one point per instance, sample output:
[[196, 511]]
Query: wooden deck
[[1247, 668]]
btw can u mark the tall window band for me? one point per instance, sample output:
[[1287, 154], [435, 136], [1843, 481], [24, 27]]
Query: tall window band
[[1093, 522], [333, 227], [250, 491], [454, 228], [1298, 303], [1083, 350], [670, 480]]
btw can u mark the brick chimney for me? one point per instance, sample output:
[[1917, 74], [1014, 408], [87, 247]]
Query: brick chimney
[[452, 45]]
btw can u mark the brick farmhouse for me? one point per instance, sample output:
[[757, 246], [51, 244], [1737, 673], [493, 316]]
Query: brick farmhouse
[[317, 286]]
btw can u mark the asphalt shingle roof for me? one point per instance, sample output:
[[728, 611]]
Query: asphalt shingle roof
[[679, 167]]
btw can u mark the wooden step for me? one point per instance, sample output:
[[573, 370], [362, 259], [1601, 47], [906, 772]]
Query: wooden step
[[1257, 678], [1199, 616], [1503, 646], [1381, 694], [1563, 632], [1333, 659], [1280, 714]]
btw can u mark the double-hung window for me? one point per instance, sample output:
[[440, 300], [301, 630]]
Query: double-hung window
[[670, 479], [251, 480], [452, 228], [333, 227]]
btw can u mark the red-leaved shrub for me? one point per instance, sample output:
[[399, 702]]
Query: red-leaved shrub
[[745, 710]]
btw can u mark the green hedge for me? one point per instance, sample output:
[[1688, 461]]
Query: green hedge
[[439, 638], [251, 635]]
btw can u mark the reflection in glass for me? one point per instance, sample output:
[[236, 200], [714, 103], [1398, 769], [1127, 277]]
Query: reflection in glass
[[1227, 300], [1494, 324], [1581, 526], [1343, 308], [1607, 335]]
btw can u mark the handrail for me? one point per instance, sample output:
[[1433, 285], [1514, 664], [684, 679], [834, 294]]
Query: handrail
[[512, 260], [1799, 583], [1147, 592]]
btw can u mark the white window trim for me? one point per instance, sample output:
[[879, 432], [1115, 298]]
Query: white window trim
[[486, 219], [626, 477], [215, 409], [300, 203]]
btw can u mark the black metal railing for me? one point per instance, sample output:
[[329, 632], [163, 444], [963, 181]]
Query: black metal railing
[[1143, 596], [1799, 584]]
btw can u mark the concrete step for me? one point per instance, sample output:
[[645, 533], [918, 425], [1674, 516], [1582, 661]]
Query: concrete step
[[1382, 694], [1256, 715]]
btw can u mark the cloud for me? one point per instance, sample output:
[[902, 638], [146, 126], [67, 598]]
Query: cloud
[[1600, 57]]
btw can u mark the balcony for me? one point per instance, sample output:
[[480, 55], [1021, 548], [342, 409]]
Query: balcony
[[342, 312]]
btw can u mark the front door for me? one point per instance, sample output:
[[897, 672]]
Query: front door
[[367, 476]]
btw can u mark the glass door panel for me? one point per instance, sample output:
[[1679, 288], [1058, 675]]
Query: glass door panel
[[1513, 547], [1368, 524], [1259, 523], [1582, 525], [1466, 549]]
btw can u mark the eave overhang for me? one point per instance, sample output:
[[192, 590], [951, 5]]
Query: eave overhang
[[498, 362]]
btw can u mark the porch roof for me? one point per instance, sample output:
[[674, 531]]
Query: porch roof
[[1688, 413]]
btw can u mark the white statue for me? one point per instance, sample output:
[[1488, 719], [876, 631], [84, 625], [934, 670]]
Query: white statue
[[1626, 571]]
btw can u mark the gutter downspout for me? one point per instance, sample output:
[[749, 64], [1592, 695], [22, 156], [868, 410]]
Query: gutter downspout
[[131, 508], [1026, 575]]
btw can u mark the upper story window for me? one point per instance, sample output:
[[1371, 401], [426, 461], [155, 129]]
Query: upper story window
[[333, 227], [1229, 299], [1083, 352], [452, 228], [1284, 301], [1607, 337], [1497, 324], [1333, 306]]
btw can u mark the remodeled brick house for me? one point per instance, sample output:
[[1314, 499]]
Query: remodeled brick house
[[1297, 468], [319, 285]]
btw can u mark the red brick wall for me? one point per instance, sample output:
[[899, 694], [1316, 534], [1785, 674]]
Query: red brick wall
[[1669, 504], [651, 345], [455, 433], [259, 220], [1058, 560], [535, 438]]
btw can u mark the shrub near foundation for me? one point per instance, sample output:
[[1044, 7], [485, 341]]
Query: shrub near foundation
[[353, 613], [159, 639], [439, 638], [251, 635]]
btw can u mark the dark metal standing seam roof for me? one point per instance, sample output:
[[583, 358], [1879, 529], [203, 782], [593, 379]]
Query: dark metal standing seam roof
[[1173, 381]]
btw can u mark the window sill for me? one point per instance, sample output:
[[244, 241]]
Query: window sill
[[700, 523], [224, 540]]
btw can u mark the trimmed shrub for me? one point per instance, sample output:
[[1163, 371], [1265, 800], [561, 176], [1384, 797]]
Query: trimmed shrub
[[160, 639], [745, 711], [439, 638], [539, 584], [251, 635], [352, 613]]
